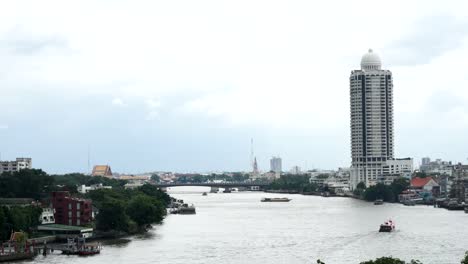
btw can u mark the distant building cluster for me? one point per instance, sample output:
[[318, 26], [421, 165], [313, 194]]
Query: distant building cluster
[[16, 165]]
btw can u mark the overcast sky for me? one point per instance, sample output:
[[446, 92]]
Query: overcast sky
[[184, 85]]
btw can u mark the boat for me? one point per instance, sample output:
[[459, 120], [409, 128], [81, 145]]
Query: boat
[[378, 202], [89, 249], [388, 226], [284, 199], [186, 209], [409, 202], [16, 256], [204, 194]]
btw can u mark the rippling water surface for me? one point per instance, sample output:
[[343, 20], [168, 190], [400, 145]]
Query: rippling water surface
[[238, 228]]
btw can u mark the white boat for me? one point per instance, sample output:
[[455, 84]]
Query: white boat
[[388, 226]]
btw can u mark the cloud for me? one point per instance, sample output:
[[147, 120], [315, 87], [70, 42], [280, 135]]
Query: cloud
[[118, 102], [429, 37], [153, 107]]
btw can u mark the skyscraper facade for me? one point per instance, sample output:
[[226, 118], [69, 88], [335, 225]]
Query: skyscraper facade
[[371, 93], [275, 164]]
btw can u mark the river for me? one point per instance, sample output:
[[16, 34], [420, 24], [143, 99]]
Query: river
[[238, 228]]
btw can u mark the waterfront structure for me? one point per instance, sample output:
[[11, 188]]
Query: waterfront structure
[[427, 183], [371, 94], [47, 216], [102, 170], [16, 165], [276, 164], [69, 210]]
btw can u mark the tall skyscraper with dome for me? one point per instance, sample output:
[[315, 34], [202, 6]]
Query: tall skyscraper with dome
[[371, 92]]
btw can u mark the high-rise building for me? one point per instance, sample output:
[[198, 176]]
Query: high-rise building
[[275, 165], [371, 92], [425, 161]]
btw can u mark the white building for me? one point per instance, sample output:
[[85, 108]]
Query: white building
[[17, 165], [276, 164], [400, 167], [47, 216], [371, 92], [296, 170], [86, 189]]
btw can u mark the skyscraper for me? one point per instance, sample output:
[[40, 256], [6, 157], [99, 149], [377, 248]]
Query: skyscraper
[[275, 164], [371, 92]]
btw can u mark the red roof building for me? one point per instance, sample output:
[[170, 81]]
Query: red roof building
[[426, 183]]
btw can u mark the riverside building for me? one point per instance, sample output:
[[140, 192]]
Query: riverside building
[[371, 94]]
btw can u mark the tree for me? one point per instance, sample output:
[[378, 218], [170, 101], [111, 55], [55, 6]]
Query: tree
[[112, 216], [465, 259], [379, 191], [145, 210], [155, 178], [361, 185], [154, 192], [2, 224], [398, 186], [389, 260]]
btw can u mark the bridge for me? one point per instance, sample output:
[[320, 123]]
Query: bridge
[[251, 185]]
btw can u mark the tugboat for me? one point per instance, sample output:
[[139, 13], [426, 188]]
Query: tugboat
[[284, 199], [388, 226]]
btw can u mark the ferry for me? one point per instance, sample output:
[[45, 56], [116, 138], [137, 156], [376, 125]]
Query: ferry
[[284, 199], [388, 226]]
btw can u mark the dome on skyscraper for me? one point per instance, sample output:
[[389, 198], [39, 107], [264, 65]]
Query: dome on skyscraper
[[371, 61]]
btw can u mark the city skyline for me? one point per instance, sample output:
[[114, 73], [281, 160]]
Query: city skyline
[[156, 86]]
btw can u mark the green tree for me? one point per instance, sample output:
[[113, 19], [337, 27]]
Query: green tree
[[361, 185], [154, 192], [398, 186], [465, 259], [379, 191], [145, 210], [2, 224], [112, 216], [389, 260], [155, 178]]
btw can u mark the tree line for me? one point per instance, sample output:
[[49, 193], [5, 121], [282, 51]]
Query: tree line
[[119, 209], [292, 182]]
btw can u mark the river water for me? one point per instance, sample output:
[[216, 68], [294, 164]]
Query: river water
[[238, 228]]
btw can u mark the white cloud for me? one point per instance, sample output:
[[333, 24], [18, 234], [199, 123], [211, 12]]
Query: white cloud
[[118, 102], [269, 64], [153, 107]]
